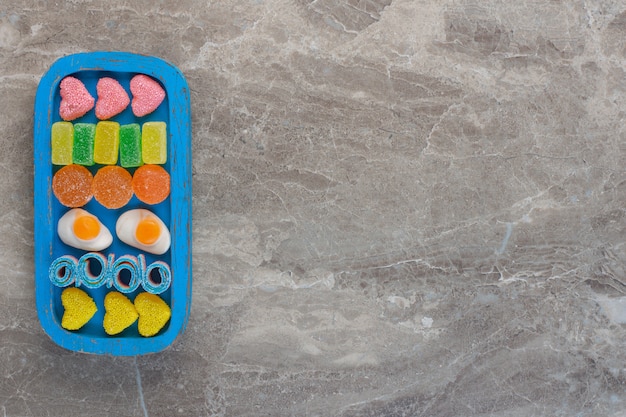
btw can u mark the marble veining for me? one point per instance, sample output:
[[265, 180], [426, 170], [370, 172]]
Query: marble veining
[[401, 208]]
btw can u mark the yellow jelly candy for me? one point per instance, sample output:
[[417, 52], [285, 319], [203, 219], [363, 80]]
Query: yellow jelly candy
[[106, 143], [119, 313], [79, 308], [154, 142], [61, 143], [154, 313]]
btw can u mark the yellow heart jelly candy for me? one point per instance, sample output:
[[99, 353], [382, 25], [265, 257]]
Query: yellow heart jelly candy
[[79, 308], [154, 313], [119, 313]]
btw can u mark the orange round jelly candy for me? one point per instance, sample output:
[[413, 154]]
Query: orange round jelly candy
[[72, 185], [151, 184], [112, 186]]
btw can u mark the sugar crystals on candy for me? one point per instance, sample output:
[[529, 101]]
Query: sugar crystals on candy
[[72, 185], [112, 98], [130, 145], [106, 143], [75, 99], [84, 135], [61, 143], [79, 308], [147, 94], [154, 142], [112, 186], [151, 184]]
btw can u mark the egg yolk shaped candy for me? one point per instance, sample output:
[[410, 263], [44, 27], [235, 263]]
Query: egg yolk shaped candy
[[142, 229], [82, 230]]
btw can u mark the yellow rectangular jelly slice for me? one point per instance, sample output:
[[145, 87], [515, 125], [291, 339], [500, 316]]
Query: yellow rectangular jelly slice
[[154, 142], [106, 143], [61, 143]]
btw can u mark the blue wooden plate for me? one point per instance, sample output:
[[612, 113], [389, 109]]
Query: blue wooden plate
[[175, 211]]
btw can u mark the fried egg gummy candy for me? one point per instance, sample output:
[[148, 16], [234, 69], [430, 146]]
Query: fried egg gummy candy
[[82, 230], [154, 142], [143, 230]]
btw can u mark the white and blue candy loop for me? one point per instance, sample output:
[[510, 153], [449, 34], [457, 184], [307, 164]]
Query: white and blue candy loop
[[131, 264], [85, 277], [164, 272], [61, 271], [66, 270]]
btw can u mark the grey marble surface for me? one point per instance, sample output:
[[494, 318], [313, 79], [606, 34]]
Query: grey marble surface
[[401, 208]]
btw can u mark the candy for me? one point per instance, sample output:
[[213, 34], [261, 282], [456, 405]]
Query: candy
[[147, 94], [126, 273], [151, 184], [82, 230], [119, 314], [130, 145], [72, 185], [106, 143], [79, 308], [84, 135], [154, 142], [142, 229], [61, 271], [75, 99], [112, 186], [61, 143], [158, 277], [85, 268], [112, 98], [153, 312]]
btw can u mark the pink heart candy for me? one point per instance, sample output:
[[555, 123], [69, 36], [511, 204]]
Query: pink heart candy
[[147, 94], [112, 98], [75, 99]]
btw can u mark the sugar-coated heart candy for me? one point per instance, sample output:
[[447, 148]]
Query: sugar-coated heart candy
[[119, 314], [79, 308], [147, 94], [112, 98], [154, 313], [75, 99]]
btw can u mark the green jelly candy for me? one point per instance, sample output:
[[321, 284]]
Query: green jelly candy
[[130, 145], [84, 134]]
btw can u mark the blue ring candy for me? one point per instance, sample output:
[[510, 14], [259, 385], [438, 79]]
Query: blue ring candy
[[66, 270], [166, 278], [67, 265], [131, 264], [84, 275]]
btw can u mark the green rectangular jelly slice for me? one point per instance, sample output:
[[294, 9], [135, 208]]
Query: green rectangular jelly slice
[[84, 134], [130, 145]]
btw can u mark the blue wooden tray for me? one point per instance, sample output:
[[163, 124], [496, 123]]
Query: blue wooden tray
[[175, 211]]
